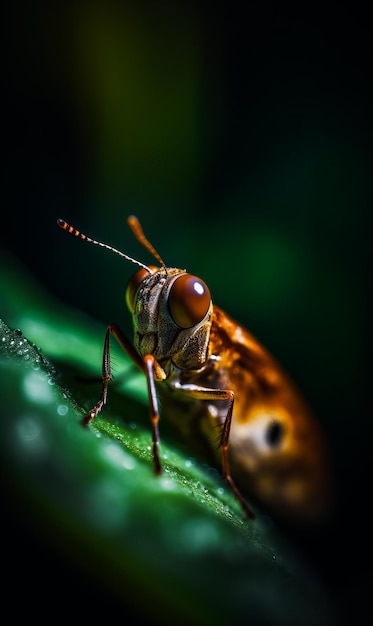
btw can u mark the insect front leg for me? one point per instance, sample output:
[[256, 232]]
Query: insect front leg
[[153, 369], [106, 367], [149, 366], [205, 393]]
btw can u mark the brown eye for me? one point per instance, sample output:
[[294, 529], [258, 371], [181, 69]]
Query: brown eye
[[189, 300], [134, 284]]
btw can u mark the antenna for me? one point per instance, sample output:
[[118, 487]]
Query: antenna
[[73, 231], [135, 226]]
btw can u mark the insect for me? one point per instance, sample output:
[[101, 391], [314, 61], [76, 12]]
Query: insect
[[216, 381]]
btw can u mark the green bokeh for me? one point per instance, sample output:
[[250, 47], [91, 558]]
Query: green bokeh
[[243, 143]]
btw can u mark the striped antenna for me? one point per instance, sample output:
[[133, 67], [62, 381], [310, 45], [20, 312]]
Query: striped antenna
[[73, 231]]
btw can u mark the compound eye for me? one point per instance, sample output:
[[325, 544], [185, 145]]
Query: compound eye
[[189, 300], [134, 283]]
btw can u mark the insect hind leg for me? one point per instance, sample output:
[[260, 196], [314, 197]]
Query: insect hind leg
[[205, 393], [225, 461]]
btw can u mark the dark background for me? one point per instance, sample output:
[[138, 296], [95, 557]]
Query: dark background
[[241, 136]]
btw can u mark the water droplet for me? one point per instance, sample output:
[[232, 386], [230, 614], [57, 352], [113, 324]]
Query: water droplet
[[200, 534], [35, 388], [104, 505], [31, 435], [167, 483], [28, 429], [62, 409]]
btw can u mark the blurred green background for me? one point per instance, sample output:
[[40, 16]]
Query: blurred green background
[[241, 137]]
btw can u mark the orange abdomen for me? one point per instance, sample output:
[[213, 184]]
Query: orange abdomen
[[277, 451]]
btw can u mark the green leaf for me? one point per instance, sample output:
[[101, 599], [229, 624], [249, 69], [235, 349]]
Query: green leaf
[[174, 548]]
